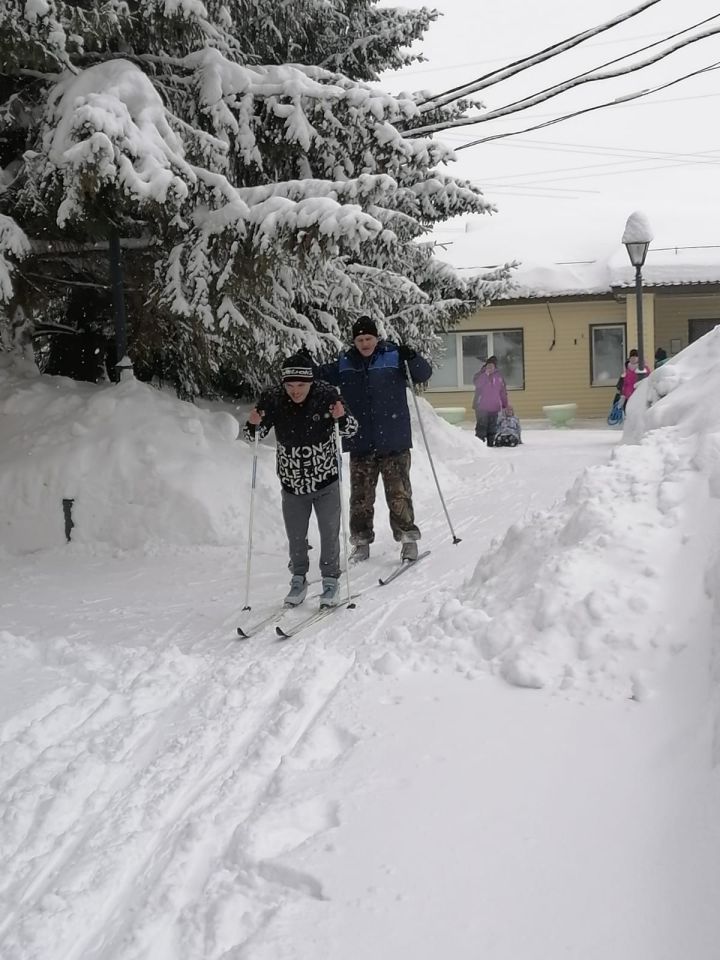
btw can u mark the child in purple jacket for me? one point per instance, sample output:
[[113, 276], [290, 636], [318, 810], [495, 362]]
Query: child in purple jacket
[[490, 398]]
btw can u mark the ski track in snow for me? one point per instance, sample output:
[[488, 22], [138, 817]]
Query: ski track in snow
[[134, 799], [142, 792], [138, 792]]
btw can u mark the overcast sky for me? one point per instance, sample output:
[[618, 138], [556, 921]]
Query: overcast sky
[[564, 193]]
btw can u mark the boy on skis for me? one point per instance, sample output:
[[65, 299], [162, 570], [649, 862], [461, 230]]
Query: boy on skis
[[303, 412]]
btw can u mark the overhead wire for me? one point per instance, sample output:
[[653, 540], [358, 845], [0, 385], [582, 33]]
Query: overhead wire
[[675, 159], [525, 63], [584, 110], [454, 136], [599, 149], [609, 63], [479, 63], [590, 76]]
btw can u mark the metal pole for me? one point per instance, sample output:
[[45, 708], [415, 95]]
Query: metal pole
[[67, 513], [116, 281], [343, 518], [639, 320], [248, 562], [455, 539]]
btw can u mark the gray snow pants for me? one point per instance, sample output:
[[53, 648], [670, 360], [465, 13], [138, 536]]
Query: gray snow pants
[[296, 508]]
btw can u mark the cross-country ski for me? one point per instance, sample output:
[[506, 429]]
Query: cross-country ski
[[403, 567], [244, 632], [322, 613]]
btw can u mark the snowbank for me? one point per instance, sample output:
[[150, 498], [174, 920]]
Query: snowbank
[[139, 465], [143, 468], [451, 449], [682, 394], [580, 596]]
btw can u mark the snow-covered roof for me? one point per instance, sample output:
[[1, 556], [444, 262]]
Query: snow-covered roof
[[667, 266], [533, 280]]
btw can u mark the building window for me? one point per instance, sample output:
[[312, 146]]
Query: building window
[[698, 328], [466, 352], [607, 354]]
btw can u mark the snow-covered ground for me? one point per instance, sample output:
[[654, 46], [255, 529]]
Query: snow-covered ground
[[510, 753]]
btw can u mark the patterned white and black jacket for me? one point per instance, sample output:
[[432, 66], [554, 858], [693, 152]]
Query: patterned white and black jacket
[[306, 455]]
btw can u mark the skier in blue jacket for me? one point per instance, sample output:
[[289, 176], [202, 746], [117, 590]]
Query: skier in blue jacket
[[372, 378]]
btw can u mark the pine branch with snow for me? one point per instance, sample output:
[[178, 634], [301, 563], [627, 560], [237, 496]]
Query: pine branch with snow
[[262, 196]]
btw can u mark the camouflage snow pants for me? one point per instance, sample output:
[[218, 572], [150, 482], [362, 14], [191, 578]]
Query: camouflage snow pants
[[395, 471]]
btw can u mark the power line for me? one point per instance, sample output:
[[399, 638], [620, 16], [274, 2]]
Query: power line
[[598, 106], [556, 88], [619, 104], [549, 53], [598, 148], [450, 135], [607, 173], [525, 63], [678, 159], [562, 263], [480, 63], [545, 196]]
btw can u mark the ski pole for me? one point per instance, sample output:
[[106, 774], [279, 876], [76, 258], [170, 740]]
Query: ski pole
[[343, 518], [455, 539], [248, 562]]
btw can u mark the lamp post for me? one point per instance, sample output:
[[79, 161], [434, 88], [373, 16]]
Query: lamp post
[[637, 237]]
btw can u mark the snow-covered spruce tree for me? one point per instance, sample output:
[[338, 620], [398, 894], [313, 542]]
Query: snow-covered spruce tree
[[262, 204]]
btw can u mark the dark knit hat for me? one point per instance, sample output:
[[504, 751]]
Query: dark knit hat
[[492, 360], [297, 367], [364, 326]]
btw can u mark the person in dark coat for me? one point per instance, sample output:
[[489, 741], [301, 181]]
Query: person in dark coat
[[372, 377], [303, 412]]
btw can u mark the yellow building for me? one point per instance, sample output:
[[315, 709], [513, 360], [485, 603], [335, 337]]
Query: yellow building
[[563, 333]]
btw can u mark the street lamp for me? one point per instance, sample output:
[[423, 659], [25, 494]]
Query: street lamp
[[637, 237]]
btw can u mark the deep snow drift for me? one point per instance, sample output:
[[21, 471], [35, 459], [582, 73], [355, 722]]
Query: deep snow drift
[[140, 466], [512, 753]]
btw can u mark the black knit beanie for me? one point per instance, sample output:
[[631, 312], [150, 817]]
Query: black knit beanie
[[297, 367], [364, 326]]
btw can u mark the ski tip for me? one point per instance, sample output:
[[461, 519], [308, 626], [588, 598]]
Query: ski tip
[[280, 633], [241, 633]]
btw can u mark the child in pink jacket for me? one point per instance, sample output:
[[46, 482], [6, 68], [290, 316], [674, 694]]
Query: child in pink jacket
[[632, 375]]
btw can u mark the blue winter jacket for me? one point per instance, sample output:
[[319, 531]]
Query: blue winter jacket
[[375, 389]]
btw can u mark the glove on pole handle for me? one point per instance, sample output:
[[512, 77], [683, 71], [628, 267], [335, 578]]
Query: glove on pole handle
[[455, 539], [248, 562], [343, 518]]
